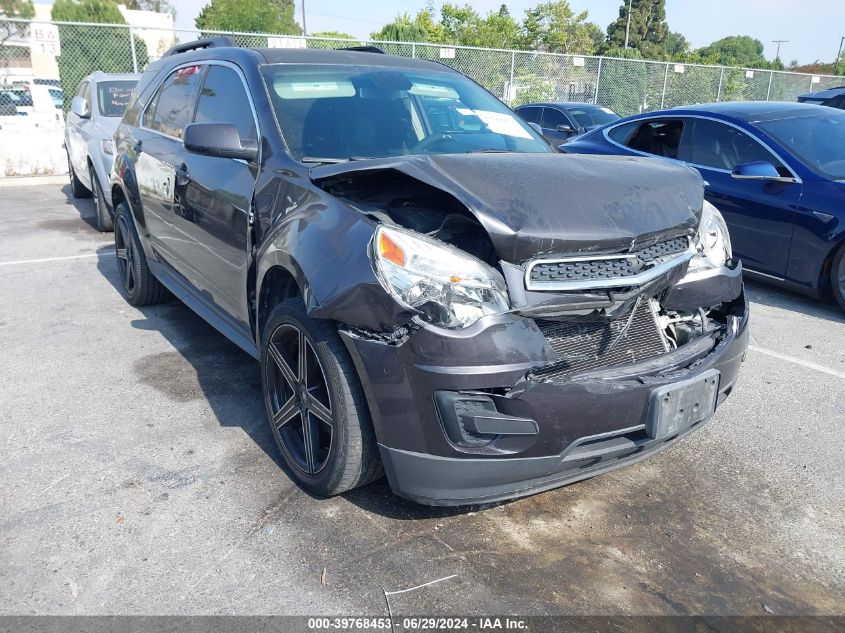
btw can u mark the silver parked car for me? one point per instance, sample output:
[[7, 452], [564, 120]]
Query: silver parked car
[[95, 111]]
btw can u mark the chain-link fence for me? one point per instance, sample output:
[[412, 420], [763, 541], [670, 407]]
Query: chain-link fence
[[628, 86]]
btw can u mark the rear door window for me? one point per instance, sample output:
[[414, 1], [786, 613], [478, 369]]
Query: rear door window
[[172, 108], [552, 118], [224, 100]]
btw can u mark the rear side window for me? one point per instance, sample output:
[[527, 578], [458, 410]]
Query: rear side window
[[173, 106], [224, 100], [531, 114], [723, 146], [661, 137], [621, 133]]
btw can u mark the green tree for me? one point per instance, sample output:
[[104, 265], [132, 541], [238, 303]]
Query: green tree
[[404, 28], [677, 47], [14, 9], [159, 6], [465, 26], [104, 11], [736, 50], [555, 27], [338, 35], [248, 16], [648, 32], [89, 48]]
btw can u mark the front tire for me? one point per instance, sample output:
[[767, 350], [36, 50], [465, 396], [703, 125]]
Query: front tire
[[837, 277], [315, 405], [104, 220], [140, 287]]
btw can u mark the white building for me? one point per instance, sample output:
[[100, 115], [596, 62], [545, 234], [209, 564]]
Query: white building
[[155, 29]]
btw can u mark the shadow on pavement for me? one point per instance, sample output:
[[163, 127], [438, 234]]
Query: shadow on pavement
[[83, 206], [777, 297], [206, 365]]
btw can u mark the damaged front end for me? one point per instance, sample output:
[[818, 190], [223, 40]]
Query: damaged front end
[[537, 355]]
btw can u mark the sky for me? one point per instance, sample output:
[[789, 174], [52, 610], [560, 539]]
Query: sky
[[813, 27]]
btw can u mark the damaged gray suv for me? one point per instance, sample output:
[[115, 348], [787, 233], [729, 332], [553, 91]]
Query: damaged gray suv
[[431, 290]]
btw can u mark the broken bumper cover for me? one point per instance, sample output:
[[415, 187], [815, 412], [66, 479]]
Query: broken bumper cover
[[584, 426]]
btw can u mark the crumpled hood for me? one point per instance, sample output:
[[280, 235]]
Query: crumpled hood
[[539, 204]]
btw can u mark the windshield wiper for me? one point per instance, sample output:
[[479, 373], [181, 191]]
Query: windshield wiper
[[488, 150], [332, 161]]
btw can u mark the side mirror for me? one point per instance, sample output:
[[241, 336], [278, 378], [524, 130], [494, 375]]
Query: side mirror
[[80, 108], [536, 127], [566, 129], [219, 139], [758, 170]]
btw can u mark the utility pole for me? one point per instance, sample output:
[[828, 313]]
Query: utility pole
[[304, 28], [778, 42], [627, 26], [838, 55]]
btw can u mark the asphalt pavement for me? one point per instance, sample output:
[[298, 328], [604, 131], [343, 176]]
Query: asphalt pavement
[[138, 475]]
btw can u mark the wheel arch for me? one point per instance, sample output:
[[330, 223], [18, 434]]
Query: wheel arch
[[277, 283]]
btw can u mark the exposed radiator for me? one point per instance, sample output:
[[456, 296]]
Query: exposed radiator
[[586, 345]]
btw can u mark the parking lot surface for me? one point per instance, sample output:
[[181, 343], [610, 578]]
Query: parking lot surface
[[138, 475]]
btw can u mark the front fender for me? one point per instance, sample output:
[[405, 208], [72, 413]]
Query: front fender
[[124, 182], [325, 248]]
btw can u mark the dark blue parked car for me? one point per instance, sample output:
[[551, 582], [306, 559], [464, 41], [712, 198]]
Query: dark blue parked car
[[561, 120], [776, 171]]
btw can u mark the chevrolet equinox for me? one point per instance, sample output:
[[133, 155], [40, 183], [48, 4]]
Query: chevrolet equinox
[[432, 291]]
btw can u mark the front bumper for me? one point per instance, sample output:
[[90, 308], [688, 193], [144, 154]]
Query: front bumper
[[586, 425]]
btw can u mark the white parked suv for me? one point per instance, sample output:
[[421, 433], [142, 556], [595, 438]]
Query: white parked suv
[[94, 114]]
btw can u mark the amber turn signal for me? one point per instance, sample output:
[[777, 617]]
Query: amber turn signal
[[390, 250]]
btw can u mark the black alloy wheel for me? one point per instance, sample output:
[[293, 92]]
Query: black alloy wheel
[[140, 287], [125, 255], [837, 277], [300, 403], [315, 404]]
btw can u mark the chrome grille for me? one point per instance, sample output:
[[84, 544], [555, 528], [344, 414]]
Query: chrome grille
[[580, 272], [663, 249], [586, 345]]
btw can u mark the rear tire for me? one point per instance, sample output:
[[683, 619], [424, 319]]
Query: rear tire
[[76, 187], [315, 404], [837, 277], [140, 287], [104, 220]]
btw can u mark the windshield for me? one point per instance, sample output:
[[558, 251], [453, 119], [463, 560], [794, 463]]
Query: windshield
[[57, 96], [113, 96], [817, 140], [588, 117], [349, 112]]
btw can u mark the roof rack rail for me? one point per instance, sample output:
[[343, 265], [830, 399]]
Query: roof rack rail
[[363, 49], [213, 42]]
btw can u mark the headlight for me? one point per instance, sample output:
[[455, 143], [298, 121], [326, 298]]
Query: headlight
[[108, 146], [713, 241], [447, 286]]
